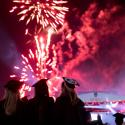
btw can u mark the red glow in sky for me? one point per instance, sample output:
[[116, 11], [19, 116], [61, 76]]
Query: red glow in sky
[[89, 46]]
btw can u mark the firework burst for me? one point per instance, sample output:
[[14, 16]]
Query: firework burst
[[39, 63], [38, 60], [45, 12]]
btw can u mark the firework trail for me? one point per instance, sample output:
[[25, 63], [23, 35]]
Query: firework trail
[[45, 12], [40, 63]]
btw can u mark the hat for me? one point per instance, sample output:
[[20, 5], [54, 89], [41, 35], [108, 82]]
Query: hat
[[41, 81], [13, 85], [71, 83], [119, 115]]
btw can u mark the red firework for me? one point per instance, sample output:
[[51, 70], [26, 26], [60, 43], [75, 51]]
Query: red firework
[[46, 12]]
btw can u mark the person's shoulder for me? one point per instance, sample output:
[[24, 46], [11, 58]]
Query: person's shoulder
[[51, 99], [34, 100], [61, 100], [80, 102], [31, 101]]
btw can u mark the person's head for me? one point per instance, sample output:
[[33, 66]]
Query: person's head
[[119, 118], [11, 95], [99, 119], [68, 89], [13, 86], [68, 84], [41, 88]]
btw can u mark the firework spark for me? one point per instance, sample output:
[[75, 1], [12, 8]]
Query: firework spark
[[25, 88], [39, 63], [47, 12]]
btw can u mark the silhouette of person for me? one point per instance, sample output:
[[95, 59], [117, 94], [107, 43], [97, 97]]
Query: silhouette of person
[[119, 118], [68, 108], [40, 107], [88, 117], [96, 122], [99, 120], [11, 106]]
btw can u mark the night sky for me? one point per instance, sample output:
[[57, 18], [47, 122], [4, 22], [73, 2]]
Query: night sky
[[94, 54]]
